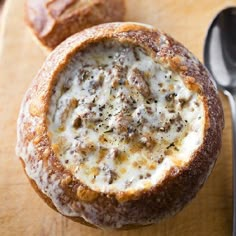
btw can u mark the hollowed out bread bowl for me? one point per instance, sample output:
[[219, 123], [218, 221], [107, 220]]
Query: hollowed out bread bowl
[[121, 126], [52, 21]]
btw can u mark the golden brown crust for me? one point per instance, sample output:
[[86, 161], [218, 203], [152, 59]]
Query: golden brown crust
[[179, 186], [52, 21], [49, 202]]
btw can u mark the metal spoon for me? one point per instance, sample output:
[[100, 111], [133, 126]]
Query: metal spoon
[[220, 59]]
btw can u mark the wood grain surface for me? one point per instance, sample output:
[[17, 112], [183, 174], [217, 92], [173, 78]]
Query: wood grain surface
[[22, 212]]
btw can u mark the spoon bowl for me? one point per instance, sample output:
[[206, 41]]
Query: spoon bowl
[[220, 49]]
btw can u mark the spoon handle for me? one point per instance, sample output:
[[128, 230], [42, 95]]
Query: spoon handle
[[232, 101]]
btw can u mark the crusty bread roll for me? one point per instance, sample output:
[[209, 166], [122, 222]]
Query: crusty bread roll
[[121, 126], [52, 21]]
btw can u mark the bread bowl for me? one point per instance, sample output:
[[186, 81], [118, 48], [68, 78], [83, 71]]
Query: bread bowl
[[121, 126], [52, 21]]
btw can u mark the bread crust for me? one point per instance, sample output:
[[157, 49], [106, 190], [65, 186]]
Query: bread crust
[[178, 187], [52, 21]]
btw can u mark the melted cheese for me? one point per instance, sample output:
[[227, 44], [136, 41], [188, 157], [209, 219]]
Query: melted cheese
[[119, 120]]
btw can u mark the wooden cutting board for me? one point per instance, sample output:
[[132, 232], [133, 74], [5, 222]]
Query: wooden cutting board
[[22, 212]]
